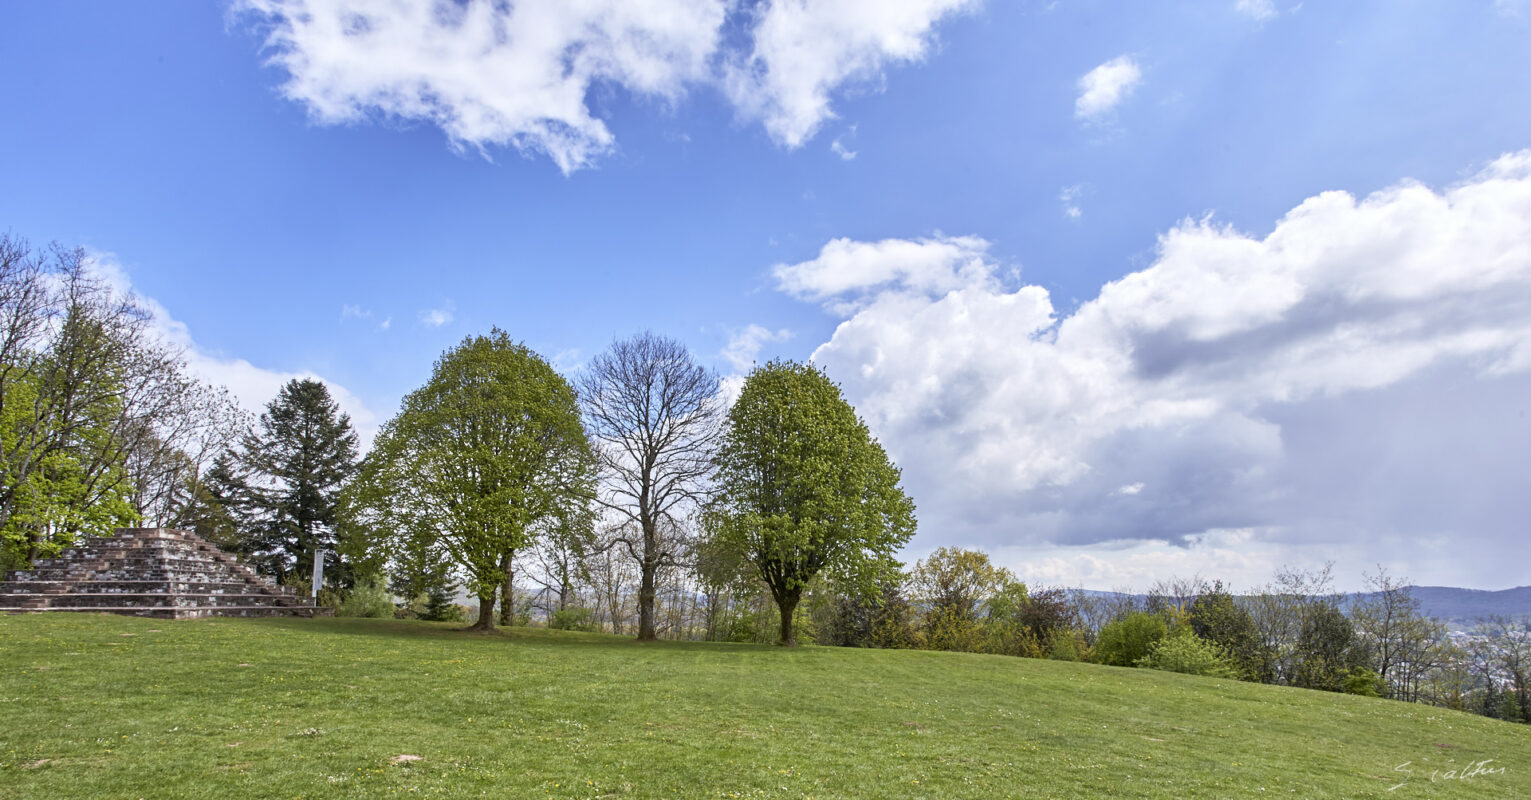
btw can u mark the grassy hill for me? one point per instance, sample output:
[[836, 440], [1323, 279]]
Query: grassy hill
[[120, 707]]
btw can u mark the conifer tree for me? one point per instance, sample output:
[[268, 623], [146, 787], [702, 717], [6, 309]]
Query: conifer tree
[[300, 455]]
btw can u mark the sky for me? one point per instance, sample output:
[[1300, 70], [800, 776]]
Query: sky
[[1127, 290]]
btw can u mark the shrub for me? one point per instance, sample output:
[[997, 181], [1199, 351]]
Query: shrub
[[1362, 681], [367, 599], [1127, 641], [1191, 655], [573, 619]]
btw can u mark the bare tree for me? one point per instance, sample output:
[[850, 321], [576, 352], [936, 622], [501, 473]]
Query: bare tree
[[653, 418]]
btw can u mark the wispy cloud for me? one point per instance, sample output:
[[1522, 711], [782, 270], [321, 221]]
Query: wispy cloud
[[436, 317], [1069, 198]]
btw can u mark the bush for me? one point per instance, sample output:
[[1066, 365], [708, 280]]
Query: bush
[[1189, 654], [1127, 641], [573, 619], [1362, 681], [367, 599]]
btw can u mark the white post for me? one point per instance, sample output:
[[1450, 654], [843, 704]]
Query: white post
[[318, 573]]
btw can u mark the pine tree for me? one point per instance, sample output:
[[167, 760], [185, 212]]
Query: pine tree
[[301, 454]]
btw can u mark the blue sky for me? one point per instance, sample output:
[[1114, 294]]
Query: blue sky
[[889, 188]]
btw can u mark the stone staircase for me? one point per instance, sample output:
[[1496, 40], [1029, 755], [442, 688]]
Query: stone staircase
[[150, 572]]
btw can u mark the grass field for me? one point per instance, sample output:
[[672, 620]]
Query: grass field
[[116, 707]]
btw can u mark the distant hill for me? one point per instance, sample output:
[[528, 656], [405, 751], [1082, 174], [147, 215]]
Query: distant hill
[[1460, 608], [1464, 606]]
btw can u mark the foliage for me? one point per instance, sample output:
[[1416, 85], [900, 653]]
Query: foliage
[[884, 621], [1189, 654], [1218, 617], [803, 488], [491, 447], [1363, 682], [100, 424], [1326, 649], [1127, 641], [572, 619], [299, 457], [368, 598], [957, 580]]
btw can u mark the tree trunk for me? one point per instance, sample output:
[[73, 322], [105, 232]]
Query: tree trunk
[[485, 621], [787, 602], [508, 591], [646, 604]]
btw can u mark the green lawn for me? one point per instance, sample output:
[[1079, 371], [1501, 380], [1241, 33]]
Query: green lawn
[[116, 707]]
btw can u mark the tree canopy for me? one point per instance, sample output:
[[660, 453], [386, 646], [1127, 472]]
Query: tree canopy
[[803, 488], [487, 450]]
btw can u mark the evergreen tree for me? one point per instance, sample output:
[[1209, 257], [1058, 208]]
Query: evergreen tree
[[300, 456]]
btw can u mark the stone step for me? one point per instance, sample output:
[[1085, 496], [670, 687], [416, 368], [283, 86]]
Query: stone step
[[188, 613], [149, 572], [91, 600], [165, 586]]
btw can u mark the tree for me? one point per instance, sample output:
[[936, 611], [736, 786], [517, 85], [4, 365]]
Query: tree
[[1127, 641], [654, 422], [803, 488], [488, 449], [100, 425], [1217, 617], [301, 455], [1400, 641], [955, 585], [1326, 649]]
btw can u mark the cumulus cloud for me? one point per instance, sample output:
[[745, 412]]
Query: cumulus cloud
[[803, 50], [488, 73], [495, 74], [251, 386], [1360, 373], [1105, 87], [850, 273]]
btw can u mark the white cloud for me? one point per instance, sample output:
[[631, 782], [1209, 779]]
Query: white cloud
[[743, 346], [436, 317], [1069, 198], [349, 311], [251, 386], [1260, 10], [1103, 88], [1355, 374], [385, 324], [851, 272], [1130, 489], [493, 74], [488, 73], [803, 50], [842, 151]]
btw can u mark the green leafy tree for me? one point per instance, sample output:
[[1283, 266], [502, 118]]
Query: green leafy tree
[[1327, 649], [1127, 641], [300, 456], [955, 587], [1216, 616], [803, 488], [1187, 653], [487, 450]]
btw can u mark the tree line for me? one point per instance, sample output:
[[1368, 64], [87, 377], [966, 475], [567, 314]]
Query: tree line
[[635, 499]]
